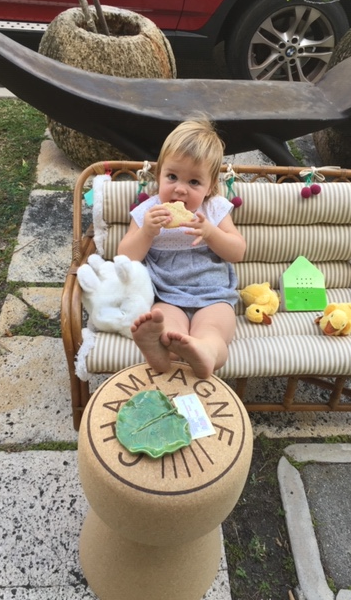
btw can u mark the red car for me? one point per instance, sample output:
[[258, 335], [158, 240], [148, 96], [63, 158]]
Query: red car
[[264, 39]]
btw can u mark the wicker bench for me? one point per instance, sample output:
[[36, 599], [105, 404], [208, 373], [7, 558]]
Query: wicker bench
[[279, 225]]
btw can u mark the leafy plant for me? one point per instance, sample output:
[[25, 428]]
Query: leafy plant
[[257, 548]]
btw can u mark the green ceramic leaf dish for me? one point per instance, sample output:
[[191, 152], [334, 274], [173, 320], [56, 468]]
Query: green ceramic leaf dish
[[149, 423]]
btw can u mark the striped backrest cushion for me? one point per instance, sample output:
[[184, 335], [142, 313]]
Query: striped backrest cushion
[[282, 204], [277, 223]]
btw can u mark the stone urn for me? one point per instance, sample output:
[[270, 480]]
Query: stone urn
[[134, 48], [334, 144]]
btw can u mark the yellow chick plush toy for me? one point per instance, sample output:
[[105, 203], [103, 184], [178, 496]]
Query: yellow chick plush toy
[[336, 319], [261, 301]]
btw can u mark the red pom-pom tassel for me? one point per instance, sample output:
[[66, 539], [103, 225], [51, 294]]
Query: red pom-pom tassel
[[315, 189], [306, 192], [236, 201], [140, 198]]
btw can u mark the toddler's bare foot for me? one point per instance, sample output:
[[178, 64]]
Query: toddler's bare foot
[[194, 352], [147, 331]]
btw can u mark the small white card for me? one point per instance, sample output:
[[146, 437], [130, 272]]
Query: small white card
[[191, 408]]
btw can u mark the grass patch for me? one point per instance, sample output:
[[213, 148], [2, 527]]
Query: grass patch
[[22, 130], [37, 323], [260, 563], [47, 446]]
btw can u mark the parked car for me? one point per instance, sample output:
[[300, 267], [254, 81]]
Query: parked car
[[263, 39]]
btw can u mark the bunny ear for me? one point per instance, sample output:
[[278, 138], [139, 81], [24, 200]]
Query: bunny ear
[[88, 280], [95, 261], [123, 267]]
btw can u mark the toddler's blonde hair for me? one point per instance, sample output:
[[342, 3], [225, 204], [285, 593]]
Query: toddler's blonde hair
[[196, 139]]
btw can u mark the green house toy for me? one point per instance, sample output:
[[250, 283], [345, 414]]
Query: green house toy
[[302, 287]]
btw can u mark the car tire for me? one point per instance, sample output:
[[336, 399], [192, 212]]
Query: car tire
[[267, 44]]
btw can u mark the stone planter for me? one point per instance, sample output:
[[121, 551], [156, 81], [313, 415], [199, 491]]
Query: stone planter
[[334, 144], [135, 48]]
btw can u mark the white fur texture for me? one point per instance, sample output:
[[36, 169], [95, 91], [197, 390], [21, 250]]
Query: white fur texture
[[80, 363], [115, 293]]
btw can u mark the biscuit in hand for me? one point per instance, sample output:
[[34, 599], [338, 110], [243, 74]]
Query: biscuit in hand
[[179, 214]]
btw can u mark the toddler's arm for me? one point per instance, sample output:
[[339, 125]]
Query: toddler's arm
[[224, 239], [137, 241]]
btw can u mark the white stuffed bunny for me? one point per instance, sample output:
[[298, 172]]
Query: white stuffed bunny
[[115, 293]]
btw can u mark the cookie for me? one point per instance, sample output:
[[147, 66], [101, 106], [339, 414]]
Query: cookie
[[179, 214]]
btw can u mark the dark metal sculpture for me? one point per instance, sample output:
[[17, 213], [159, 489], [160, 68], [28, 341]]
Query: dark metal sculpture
[[135, 115]]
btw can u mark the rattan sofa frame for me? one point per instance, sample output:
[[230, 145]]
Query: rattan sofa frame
[[83, 245]]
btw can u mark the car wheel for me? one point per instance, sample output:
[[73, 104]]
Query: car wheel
[[287, 41]]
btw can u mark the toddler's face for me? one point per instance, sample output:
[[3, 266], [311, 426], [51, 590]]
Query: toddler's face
[[183, 180]]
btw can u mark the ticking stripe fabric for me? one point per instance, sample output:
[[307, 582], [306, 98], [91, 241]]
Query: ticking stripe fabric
[[282, 204], [293, 355], [284, 243], [263, 203], [337, 274], [112, 353], [266, 348], [299, 353]]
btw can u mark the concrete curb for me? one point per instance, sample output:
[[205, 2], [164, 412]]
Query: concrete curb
[[302, 536]]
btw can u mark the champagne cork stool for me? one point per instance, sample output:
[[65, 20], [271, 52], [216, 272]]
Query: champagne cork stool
[[152, 531]]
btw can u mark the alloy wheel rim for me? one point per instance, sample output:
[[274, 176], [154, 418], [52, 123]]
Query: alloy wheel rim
[[293, 44]]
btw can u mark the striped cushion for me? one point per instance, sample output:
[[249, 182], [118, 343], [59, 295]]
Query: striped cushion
[[115, 234], [292, 345], [337, 274], [275, 244], [267, 220], [282, 204], [249, 356], [293, 355], [112, 353], [284, 243], [273, 204], [118, 197]]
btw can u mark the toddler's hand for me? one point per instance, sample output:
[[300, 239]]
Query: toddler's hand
[[156, 218], [201, 228]]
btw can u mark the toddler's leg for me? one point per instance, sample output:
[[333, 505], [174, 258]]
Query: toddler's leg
[[206, 347], [149, 333]]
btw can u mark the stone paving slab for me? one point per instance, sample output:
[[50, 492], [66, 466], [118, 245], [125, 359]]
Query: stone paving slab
[[13, 312], [44, 507], [54, 168], [46, 300], [35, 393], [44, 246]]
